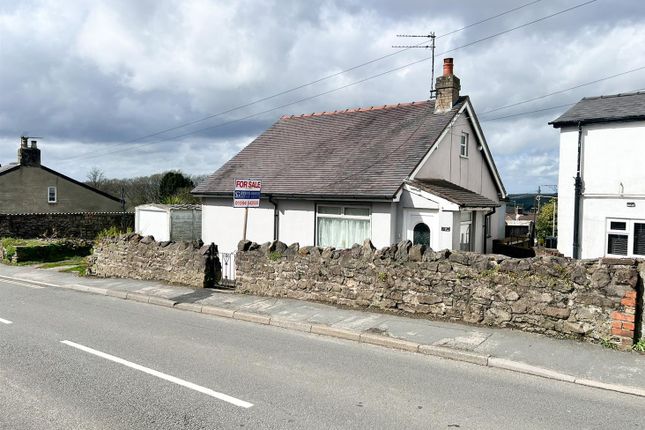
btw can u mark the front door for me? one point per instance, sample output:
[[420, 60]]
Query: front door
[[420, 228]]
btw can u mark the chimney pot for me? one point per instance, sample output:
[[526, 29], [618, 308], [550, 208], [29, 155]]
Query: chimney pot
[[447, 66], [33, 144]]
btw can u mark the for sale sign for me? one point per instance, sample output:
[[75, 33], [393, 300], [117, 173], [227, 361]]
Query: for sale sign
[[247, 193]]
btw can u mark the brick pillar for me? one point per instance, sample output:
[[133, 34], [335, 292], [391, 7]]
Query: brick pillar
[[623, 321]]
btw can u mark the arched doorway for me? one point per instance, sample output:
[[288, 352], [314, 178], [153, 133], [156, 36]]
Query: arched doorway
[[421, 234]]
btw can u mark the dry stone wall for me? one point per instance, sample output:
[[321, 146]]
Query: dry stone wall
[[137, 257], [586, 299], [79, 225]]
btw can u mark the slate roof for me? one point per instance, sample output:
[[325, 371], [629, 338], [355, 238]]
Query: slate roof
[[453, 193], [7, 167], [361, 153], [618, 107]]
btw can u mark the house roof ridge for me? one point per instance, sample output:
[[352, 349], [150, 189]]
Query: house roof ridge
[[609, 96], [359, 109]]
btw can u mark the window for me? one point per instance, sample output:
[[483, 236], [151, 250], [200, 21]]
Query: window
[[342, 226], [421, 235], [623, 233], [463, 150], [51, 195], [639, 238]]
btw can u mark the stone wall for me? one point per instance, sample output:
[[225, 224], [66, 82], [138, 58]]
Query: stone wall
[[137, 257], [79, 225], [594, 300]]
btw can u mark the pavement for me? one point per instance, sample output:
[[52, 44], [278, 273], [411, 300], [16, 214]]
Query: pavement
[[563, 360]]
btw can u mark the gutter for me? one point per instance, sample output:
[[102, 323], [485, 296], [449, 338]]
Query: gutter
[[577, 222], [276, 215], [487, 215]]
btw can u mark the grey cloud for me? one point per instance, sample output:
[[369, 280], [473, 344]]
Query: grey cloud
[[91, 76]]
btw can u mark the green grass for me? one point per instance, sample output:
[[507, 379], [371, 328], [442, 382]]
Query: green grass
[[111, 232], [74, 261], [275, 256], [71, 265]]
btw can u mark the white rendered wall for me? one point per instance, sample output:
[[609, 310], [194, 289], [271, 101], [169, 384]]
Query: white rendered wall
[[566, 182], [413, 204], [223, 224], [594, 225], [151, 222], [381, 224], [612, 154], [297, 221]]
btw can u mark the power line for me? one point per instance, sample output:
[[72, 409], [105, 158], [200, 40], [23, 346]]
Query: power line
[[527, 112], [335, 89], [565, 90], [544, 109], [321, 79]]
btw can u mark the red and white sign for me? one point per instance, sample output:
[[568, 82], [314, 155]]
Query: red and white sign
[[247, 193]]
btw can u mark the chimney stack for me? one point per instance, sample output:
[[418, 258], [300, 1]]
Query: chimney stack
[[28, 156], [447, 88]]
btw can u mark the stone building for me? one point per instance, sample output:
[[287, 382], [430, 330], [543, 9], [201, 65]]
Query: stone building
[[29, 187]]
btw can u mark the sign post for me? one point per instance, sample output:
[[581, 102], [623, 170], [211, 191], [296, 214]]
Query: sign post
[[247, 195]]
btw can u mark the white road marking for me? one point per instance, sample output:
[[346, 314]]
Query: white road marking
[[39, 284], [3, 321], [207, 391], [21, 284]]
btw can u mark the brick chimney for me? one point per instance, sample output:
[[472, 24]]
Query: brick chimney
[[447, 88], [28, 155]]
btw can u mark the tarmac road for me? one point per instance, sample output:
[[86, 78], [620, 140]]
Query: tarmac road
[[78, 361]]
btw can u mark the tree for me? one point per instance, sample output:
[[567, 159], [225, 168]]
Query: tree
[[96, 178], [174, 183], [544, 224]]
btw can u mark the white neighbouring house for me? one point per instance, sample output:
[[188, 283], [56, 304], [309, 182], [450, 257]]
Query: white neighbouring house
[[601, 144], [420, 171]]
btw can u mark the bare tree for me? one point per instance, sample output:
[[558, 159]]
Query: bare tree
[[96, 178]]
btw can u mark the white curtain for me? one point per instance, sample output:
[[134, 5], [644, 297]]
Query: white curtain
[[342, 233]]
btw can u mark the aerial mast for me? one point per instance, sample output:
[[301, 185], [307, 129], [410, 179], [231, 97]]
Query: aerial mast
[[431, 46]]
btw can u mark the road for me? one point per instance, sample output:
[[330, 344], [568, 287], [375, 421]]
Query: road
[[77, 361]]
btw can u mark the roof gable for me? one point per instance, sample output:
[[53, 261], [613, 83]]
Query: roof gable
[[353, 153], [469, 113], [612, 108], [10, 167]]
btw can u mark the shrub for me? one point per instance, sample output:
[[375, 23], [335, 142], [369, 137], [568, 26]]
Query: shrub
[[640, 345]]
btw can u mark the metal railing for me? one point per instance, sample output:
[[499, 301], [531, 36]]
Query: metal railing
[[227, 260]]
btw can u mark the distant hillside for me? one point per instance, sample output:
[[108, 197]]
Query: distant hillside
[[526, 201]]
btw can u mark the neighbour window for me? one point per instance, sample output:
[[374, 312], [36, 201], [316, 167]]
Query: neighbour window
[[639, 238], [464, 145], [342, 226], [51, 195], [421, 235], [623, 233]]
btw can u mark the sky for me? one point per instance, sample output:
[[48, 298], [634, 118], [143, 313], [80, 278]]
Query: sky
[[139, 87]]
